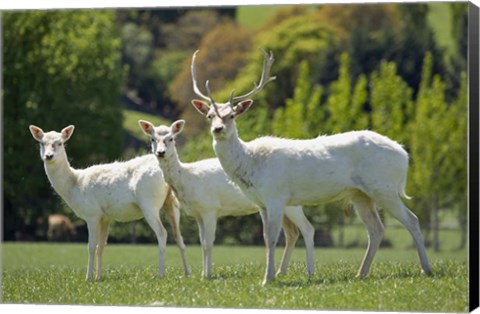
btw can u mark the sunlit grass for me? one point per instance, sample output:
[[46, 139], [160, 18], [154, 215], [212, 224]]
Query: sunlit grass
[[55, 274]]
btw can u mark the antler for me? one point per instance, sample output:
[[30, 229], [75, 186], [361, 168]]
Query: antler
[[264, 79], [194, 78], [267, 65], [207, 85], [214, 104]]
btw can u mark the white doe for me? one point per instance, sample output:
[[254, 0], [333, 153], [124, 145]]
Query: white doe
[[206, 193], [122, 191], [363, 167]]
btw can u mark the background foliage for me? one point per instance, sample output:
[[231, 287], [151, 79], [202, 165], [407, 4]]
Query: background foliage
[[393, 68], [59, 68]]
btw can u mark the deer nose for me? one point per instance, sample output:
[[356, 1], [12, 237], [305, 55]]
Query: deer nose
[[48, 156], [218, 129], [160, 153]]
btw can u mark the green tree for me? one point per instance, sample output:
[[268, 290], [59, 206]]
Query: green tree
[[301, 38], [359, 103], [346, 101], [438, 149], [458, 59], [296, 39], [302, 114], [457, 157], [399, 33], [391, 103], [60, 68], [338, 102]]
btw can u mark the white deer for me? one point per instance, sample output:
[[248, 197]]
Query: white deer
[[206, 193], [363, 167], [122, 191]]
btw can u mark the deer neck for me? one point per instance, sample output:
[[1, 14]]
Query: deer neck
[[173, 170], [235, 159], [61, 176]]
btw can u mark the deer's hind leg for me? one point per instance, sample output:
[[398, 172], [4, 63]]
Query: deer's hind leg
[[392, 202], [296, 217], [367, 211], [291, 233], [152, 216], [173, 214]]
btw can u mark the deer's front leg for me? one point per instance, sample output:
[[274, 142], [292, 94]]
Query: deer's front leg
[[209, 225], [93, 226], [272, 223]]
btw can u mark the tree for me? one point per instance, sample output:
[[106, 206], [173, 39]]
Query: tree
[[292, 41], [302, 114], [457, 157], [458, 59], [60, 68], [188, 31], [391, 103], [155, 43], [399, 33], [438, 149], [416, 39]]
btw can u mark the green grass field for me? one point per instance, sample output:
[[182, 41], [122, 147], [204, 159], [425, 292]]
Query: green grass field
[[55, 274]]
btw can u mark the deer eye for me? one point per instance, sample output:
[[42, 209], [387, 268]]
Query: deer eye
[[232, 116], [210, 116], [170, 139], [153, 140]]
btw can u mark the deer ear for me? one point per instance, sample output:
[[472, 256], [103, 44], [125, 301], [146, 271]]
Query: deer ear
[[242, 107], [37, 133], [67, 132], [146, 127], [177, 127], [201, 106]]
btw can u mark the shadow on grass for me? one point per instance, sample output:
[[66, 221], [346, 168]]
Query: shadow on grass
[[347, 277], [283, 282]]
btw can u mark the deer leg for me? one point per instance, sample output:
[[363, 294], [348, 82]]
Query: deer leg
[[93, 226], [153, 219], [273, 218], [102, 242], [365, 208], [291, 235], [394, 204], [297, 217], [173, 214], [201, 233], [210, 225]]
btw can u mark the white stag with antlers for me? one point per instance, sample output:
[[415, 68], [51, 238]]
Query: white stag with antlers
[[365, 168], [206, 193]]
